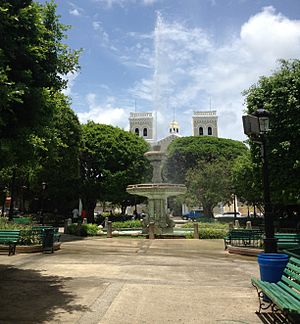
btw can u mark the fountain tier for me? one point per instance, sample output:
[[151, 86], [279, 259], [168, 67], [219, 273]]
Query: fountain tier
[[157, 194]]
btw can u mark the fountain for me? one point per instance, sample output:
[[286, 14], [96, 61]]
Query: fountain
[[157, 193]]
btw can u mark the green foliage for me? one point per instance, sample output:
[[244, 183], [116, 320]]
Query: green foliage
[[110, 160], [209, 233], [33, 61], [208, 184], [211, 225], [59, 161], [246, 176], [279, 93], [127, 224], [29, 237], [204, 164], [83, 229], [186, 152], [208, 230]]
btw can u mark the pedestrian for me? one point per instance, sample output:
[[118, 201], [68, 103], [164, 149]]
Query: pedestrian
[[83, 214], [75, 215]]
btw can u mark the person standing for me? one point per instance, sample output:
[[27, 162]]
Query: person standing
[[75, 215]]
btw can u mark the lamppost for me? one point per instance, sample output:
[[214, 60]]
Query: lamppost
[[257, 125], [44, 184]]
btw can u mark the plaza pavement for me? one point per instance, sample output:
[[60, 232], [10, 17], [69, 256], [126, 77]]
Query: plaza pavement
[[134, 281]]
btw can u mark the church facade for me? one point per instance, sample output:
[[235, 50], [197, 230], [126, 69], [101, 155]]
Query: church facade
[[204, 123]]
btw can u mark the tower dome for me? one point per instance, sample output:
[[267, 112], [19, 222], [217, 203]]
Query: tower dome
[[174, 127]]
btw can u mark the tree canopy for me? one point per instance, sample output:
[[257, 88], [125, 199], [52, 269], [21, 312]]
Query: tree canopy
[[279, 93], [209, 184], [186, 152], [33, 63], [204, 164], [110, 160]]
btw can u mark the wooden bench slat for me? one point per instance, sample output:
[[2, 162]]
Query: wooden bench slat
[[290, 283], [284, 300], [295, 260], [285, 294], [290, 273], [294, 293]]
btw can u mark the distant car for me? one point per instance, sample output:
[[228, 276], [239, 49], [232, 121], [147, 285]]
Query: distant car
[[230, 215], [193, 215]]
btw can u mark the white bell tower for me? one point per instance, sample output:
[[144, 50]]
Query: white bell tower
[[141, 123], [205, 123]]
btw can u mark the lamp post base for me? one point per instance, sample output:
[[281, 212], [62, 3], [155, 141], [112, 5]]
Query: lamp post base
[[270, 245]]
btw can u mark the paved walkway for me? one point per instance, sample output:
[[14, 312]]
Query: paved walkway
[[129, 281]]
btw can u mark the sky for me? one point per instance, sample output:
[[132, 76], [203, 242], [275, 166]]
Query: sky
[[175, 57]]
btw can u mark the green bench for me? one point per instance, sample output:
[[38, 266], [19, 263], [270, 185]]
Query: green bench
[[10, 238], [22, 220], [284, 295], [244, 238], [287, 240], [295, 252]]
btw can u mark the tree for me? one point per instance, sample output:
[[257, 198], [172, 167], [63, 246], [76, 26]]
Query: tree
[[204, 164], [246, 177], [185, 153], [58, 161], [110, 160], [279, 93], [209, 184], [33, 62]]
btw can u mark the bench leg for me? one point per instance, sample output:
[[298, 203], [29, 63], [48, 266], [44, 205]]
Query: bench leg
[[11, 249], [264, 304]]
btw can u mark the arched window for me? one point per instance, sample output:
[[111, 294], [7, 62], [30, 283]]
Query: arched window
[[209, 131], [145, 132], [200, 131], [137, 132]]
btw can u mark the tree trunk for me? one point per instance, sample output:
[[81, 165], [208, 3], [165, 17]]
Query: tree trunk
[[123, 209], [89, 207], [208, 211]]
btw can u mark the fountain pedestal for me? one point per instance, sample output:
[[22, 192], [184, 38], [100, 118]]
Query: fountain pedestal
[[157, 194]]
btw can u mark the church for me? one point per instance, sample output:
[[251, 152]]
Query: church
[[204, 123]]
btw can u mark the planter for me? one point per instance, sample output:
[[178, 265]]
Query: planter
[[271, 266]]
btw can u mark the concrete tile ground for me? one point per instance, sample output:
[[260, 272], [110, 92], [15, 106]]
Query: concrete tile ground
[[129, 281]]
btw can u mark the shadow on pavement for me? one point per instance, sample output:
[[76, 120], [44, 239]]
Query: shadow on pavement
[[30, 296], [271, 318]]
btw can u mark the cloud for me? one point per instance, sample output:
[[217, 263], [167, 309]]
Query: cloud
[[122, 3], [70, 77], [189, 67], [75, 10], [185, 69], [106, 112]]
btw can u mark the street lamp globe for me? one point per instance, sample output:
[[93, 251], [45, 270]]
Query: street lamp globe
[[263, 116]]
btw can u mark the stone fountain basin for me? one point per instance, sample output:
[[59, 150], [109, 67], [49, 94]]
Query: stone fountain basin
[[156, 190]]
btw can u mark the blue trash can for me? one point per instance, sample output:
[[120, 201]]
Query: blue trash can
[[271, 266]]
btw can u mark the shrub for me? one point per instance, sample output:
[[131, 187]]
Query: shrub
[[206, 225], [208, 230], [212, 233], [29, 237], [90, 229], [83, 229], [128, 224]]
